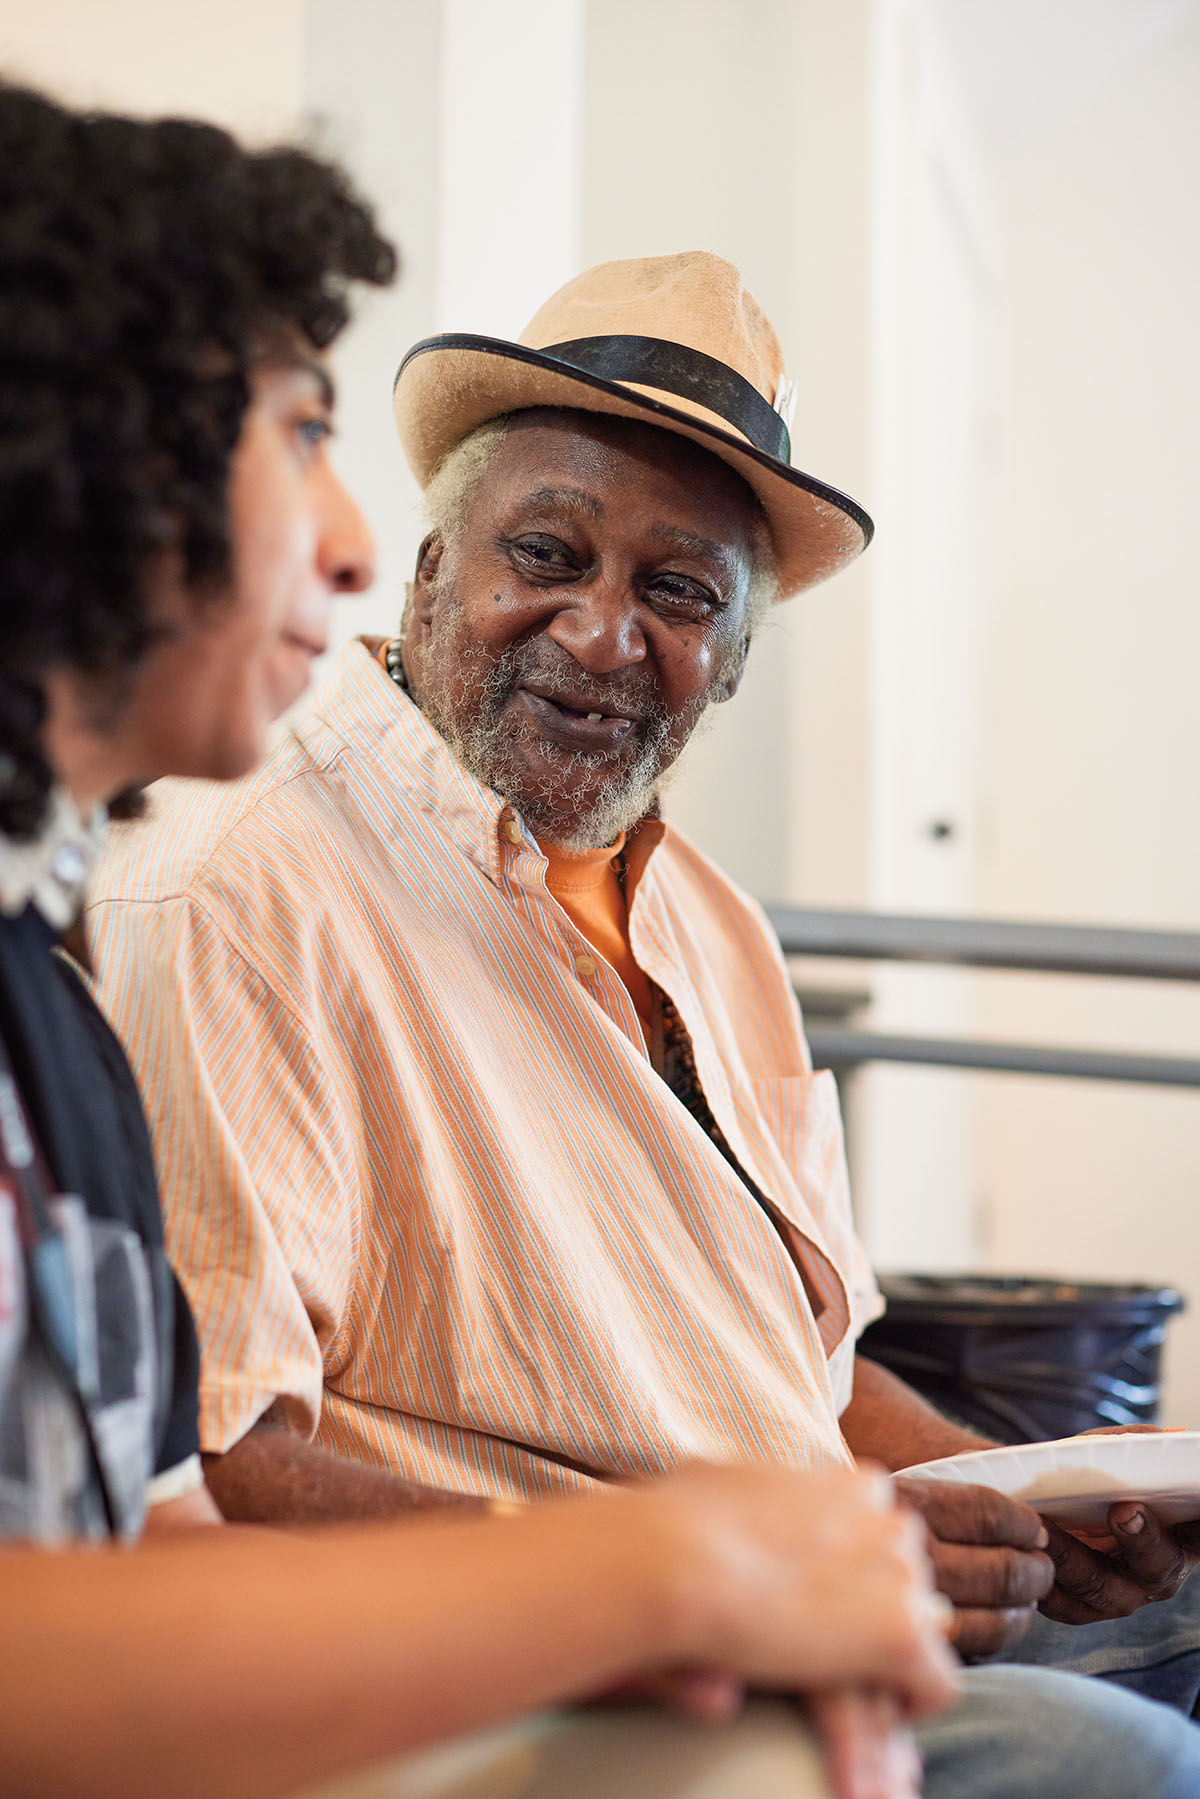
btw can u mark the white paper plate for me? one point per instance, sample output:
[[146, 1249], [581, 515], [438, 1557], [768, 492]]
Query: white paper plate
[[1075, 1480]]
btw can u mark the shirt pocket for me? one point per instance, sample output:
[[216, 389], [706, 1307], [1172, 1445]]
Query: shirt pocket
[[803, 1119]]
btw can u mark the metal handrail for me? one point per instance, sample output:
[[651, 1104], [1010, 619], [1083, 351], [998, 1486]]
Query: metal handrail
[[989, 943], [993, 943], [848, 1048]]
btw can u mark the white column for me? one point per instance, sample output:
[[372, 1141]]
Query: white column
[[932, 313], [509, 135]]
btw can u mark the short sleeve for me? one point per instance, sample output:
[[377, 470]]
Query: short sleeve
[[256, 1168]]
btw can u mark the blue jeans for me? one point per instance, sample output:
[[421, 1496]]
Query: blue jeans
[[1036, 1733], [1156, 1652], [1033, 1728]]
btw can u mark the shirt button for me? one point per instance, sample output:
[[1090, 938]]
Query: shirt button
[[585, 968], [510, 828]]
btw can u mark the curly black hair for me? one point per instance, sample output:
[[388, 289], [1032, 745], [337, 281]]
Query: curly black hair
[[143, 266]]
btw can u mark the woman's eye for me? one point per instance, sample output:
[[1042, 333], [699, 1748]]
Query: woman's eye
[[315, 431]]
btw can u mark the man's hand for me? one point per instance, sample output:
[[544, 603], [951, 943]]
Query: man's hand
[[1146, 1562], [989, 1557], [1137, 1561]]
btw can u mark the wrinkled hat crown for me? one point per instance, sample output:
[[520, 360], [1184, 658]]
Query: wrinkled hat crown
[[695, 300]]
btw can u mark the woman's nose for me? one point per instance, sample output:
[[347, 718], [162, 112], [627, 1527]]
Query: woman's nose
[[346, 549]]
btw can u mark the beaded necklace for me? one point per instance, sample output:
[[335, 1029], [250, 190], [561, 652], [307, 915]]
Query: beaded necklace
[[392, 657]]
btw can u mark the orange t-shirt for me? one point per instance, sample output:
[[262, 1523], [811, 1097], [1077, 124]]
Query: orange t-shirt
[[587, 886]]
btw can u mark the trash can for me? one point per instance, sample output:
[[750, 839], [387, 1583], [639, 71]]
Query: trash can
[[1021, 1360]]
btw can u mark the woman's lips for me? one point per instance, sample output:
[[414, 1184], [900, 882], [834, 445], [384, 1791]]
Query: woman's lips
[[306, 644], [575, 729]]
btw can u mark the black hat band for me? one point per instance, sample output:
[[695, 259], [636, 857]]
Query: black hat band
[[677, 369]]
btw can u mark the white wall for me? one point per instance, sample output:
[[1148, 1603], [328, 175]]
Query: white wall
[[370, 96], [234, 62], [1092, 747], [509, 142], [427, 101]]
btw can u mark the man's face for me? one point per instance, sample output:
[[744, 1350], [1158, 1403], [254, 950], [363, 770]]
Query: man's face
[[204, 698], [592, 606]]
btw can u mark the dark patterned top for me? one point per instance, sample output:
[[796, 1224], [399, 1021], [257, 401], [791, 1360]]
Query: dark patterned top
[[675, 1061], [136, 1352]]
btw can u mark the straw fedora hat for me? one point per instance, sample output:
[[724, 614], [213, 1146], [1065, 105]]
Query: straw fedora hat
[[675, 341]]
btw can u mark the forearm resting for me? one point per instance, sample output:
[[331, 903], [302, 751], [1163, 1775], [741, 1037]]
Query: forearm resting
[[259, 1663], [275, 1476]]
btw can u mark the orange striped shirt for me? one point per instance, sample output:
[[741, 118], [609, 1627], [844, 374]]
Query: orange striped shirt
[[421, 1181]]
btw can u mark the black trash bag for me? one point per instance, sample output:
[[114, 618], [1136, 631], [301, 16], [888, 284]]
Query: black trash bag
[[1025, 1360]]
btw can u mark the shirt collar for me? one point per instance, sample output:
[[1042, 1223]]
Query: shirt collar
[[51, 871], [365, 709], [364, 702]]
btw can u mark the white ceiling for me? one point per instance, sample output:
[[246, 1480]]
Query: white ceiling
[[1028, 64]]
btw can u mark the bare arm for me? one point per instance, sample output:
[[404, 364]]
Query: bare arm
[[254, 1664], [275, 1476], [887, 1422]]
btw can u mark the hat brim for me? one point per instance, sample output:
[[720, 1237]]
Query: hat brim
[[448, 385]]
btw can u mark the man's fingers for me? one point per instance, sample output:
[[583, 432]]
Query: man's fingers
[[1087, 1586], [1150, 1552], [977, 1634], [998, 1577], [1063, 1609], [1149, 1564], [973, 1514]]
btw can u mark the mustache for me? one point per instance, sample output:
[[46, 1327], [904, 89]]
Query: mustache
[[561, 677]]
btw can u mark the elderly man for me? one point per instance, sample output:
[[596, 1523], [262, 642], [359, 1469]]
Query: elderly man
[[492, 1156], [493, 1159]]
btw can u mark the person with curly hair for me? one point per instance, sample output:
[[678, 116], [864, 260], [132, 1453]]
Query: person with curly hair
[[171, 533]]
